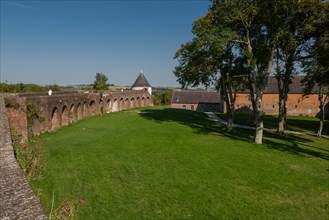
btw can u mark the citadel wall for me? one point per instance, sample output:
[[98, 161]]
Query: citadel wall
[[17, 199], [33, 113]]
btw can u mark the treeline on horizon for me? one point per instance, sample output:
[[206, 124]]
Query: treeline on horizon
[[23, 88]]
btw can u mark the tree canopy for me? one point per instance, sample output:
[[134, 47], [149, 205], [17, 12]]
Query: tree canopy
[[100, 82], [238, 39]]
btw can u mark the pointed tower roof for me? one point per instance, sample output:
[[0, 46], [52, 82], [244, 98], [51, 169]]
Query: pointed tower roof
[[141, 81]]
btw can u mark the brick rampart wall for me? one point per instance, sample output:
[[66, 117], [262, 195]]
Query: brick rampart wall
[[17, 200], [63, 108]]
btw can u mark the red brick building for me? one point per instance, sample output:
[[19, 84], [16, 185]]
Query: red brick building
[[297, 103], [203, 101]]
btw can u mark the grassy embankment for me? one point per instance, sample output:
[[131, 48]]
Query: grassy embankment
[[175, 164]]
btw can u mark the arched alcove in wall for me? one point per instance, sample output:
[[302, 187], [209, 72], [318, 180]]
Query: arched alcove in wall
[[79, 111], [92, 108], [73, 116], [108, 106], [115, 106], [65, 116], [55, 120]]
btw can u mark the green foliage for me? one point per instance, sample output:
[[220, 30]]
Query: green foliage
[[31, 113], [101, 82], [163, 98], [181, 165], [23, 88], [10, 104], [316, 61], [29, 158], [238, 39]]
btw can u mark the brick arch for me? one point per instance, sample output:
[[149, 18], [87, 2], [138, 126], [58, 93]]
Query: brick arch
[[92, 108], [79, 111], [65, 115], [127, 103], [132, 102], [55, 119], [85, 109], [138, 102], [148, 101], [143, 102], [121, 104], [115, 105], [101, 106], [108, 106], [73, 116]]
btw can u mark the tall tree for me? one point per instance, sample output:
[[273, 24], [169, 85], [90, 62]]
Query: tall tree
[[316, 61], [296, 18], [254, 25], [100, 82], [250, 30], [208, 60]]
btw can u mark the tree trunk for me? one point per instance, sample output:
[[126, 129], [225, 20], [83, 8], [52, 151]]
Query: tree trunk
[[282, 114], [319, 133], [258, 118], [230, 117], [230, 122], [284, 79], [260, 87]]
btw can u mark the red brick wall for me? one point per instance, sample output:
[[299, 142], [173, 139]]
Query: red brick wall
[[17, 116], [297, 104]]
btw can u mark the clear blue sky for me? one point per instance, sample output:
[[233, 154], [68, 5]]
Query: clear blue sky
[[67, 42]]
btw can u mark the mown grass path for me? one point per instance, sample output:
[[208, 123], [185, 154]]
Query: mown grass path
[[175, 164]]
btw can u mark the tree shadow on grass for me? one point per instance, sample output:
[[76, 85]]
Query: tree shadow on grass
[[294, 144], [199, 122], [202, 124]]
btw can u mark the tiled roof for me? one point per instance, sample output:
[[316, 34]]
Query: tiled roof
[[295, 87], [190, 97], [141, 81]]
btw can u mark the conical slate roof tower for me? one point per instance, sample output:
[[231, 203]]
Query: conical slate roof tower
[[141, 83]]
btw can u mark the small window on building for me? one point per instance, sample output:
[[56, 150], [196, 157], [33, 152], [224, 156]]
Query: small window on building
[[192, 107], [177, 99], [210, 108], [184, 107], [295, 106], [272, 106], [238, 106]]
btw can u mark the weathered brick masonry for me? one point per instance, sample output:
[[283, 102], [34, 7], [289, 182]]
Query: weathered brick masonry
[[17, 200], [34, 113]]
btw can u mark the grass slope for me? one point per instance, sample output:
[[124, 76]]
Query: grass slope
[[175, 164]]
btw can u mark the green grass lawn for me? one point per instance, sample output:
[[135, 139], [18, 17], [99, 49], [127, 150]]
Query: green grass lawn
[[294, 123], [176, 164]]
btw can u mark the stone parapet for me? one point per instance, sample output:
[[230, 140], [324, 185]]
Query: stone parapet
[[17, 200]]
